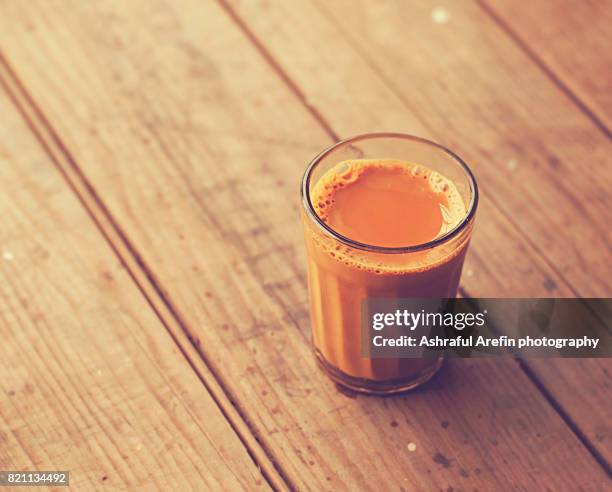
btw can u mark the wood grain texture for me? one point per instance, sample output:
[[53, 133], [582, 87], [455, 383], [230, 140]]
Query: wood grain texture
[[572, 41], [363, 90], [170, 109], [91, 381]]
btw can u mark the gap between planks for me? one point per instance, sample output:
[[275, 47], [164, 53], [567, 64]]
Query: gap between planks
[[142, 276], [490, 11], [292, 85], [278, 70]]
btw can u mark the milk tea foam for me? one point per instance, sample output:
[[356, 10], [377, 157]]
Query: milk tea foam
[[385, 203]]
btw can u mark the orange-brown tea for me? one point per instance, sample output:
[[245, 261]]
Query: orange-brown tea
[[384, 203], [387, 203]]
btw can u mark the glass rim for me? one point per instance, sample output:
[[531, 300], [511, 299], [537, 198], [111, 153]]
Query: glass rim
[[447, 236]]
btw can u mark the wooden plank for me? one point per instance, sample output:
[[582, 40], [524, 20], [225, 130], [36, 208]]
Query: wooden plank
[[181, 130], [362, 91], [571, 43], [91, 381]]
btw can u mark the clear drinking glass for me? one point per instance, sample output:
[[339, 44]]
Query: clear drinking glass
[[337, 287]]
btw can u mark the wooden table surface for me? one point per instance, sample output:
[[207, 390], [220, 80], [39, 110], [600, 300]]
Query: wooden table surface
[[153, 309]]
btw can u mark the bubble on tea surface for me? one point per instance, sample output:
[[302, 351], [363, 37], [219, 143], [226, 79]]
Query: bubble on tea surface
[[446, 214], [342, 168]]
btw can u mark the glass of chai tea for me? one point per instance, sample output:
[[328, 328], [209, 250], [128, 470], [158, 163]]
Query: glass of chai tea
[[385, 215]]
